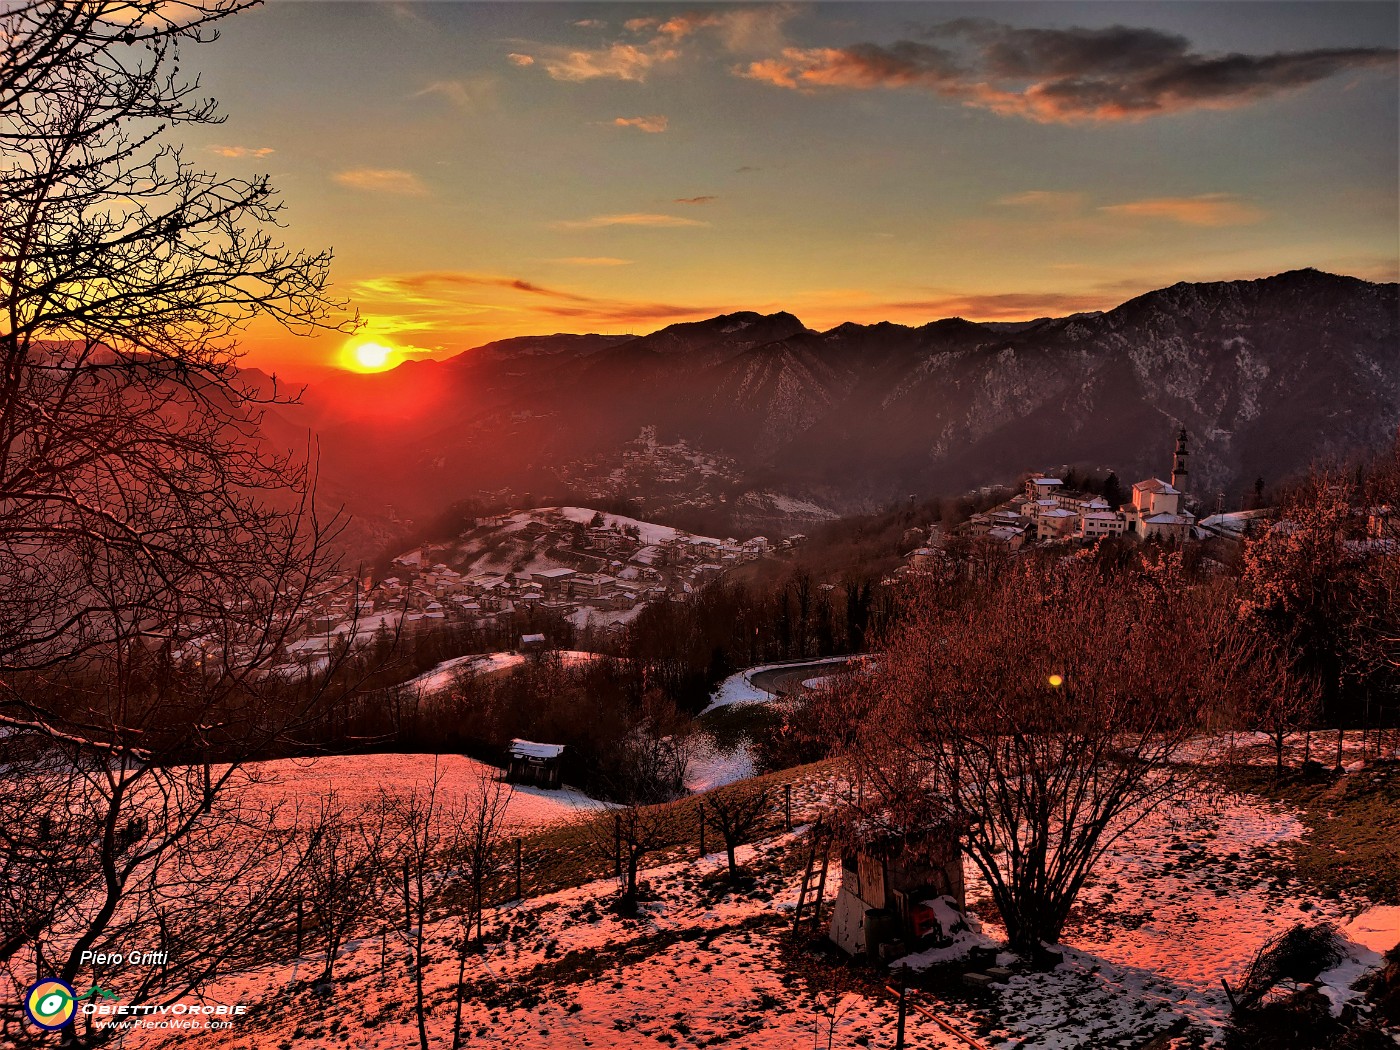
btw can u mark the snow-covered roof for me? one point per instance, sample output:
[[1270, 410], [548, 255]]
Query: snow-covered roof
[[531, 639], [1168, 519], [1059, 512], [531, 749], [1157, 485], [554, 574]]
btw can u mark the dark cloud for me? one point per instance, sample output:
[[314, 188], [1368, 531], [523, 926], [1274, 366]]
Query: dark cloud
[[1064, 75]]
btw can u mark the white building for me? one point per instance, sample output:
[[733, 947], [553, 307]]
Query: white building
[[1158, 507]]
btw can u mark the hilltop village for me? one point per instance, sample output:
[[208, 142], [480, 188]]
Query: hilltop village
[[509, 572], [1047, 510]]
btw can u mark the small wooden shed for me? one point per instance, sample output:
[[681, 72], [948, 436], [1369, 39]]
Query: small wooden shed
[[897, 886], [540, 765]]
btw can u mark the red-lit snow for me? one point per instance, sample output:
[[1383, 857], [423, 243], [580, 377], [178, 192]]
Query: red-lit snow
[[356, 780], [1185, 898]]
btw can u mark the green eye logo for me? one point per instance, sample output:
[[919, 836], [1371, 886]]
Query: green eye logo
[[49, 1004]]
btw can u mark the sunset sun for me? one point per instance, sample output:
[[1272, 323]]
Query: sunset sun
[[370, 357]]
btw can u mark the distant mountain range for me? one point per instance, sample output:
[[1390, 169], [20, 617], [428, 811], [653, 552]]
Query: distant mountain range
[[768, 422]]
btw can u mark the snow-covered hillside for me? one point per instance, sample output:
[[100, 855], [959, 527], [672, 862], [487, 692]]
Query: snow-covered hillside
[[1187, 900]]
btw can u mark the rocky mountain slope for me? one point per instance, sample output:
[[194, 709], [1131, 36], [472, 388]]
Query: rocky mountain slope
[[1267, 375]]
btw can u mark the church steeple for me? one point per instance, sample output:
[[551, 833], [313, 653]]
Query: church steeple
[[1179, 462]]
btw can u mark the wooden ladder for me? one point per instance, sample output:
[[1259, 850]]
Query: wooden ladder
[[818, 856]]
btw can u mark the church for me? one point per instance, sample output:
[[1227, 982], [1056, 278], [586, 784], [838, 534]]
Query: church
[[1158, 507]]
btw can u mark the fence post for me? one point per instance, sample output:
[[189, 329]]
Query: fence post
[[617, 843], [903, 1010], [702, 831], [519, 894], [787, 806]]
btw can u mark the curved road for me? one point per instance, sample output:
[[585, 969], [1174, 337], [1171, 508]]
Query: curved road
[[787, 681]]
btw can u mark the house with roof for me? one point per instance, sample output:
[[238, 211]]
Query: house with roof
[[1056, 523], [552, 581], [536, 764]]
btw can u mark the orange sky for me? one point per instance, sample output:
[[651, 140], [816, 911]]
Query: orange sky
[[490, 170]]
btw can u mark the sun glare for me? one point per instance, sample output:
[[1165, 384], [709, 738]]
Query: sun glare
[[368, 356]]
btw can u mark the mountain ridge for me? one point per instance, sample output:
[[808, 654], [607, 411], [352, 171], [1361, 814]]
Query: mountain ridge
[[1266, 374]]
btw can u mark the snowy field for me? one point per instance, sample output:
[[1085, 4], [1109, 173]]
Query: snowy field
[[712, 768], [284, 785], [648, 532], [1184, 901]]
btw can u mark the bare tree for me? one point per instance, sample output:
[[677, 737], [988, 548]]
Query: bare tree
[[482, 820], [421, 845], [656, 755], [343, 871], [1284, 703], [736, 813], [1041, 717], [638, 831], [155, 552]]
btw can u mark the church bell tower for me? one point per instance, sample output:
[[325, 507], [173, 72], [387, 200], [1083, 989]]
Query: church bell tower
[[1179, 462]]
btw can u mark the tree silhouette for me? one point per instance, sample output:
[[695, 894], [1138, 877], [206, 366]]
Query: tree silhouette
[[155, 551]]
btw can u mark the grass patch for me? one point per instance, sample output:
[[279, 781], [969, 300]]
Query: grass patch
[[1353, 844]]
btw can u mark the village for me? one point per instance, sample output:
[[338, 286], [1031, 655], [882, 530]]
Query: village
[[508, 572], [1047, 510]]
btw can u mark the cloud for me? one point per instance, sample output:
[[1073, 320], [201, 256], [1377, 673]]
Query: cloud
[[1057, 203], [654, 125], [1207, 209], [242, 151], [471, 93], [741, 29], [591, 260], [452, 299], [382, 180], [590, 23], [629, 219], [1002, 306], [708, 198], [1073, 75], [1042, 198], [517, 59], [615, 62], [649, 43]]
